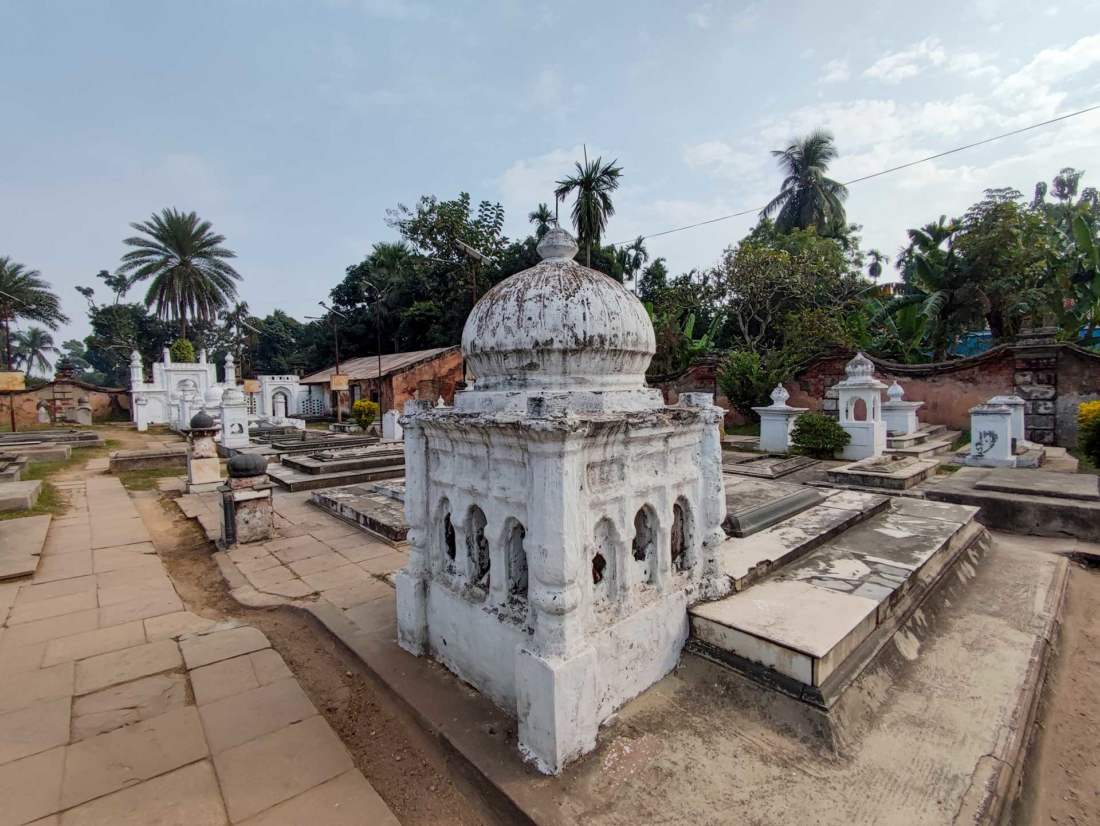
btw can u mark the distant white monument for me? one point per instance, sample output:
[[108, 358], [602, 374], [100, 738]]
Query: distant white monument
[[860, 403], [776, 422], [900, 415]]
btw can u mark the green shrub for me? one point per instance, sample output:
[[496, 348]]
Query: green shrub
[[747, 379], [818, 435], [1088, 430], [364, 411], [182, 350]]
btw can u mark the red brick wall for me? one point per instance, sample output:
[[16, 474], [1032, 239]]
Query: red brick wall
[[62, 396]]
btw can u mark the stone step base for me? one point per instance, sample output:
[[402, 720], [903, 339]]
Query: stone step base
[[21, 542], [811, 627], [376, 511], [938, 446], [856, 475], [293, 480], [923, 434], [380, 457]]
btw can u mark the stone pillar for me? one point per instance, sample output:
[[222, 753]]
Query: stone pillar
[[83, 411], [712, 493], [140, 405], [391, 427], [248, 514], [412, 581], [556, 670], [1016, 405], [990, 437], [203, 467], [1036, 381], [230, 371], [776, 422], [234, 410], [166, 356], [137, 376], [900, 416]]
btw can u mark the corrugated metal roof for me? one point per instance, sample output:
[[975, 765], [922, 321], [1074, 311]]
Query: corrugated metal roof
[[366, 367]]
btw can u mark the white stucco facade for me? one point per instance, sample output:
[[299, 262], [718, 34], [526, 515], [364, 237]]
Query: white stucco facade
[[859, 400], [561, 518]]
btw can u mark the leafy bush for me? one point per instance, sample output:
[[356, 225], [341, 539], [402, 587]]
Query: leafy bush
[[818, 435], [182, 350], [1088, 430], [747, 379], [365, 411]]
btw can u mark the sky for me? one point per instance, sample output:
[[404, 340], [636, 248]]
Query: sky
[[294, 126]]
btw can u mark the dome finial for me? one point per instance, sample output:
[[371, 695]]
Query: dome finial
[[557, 243]]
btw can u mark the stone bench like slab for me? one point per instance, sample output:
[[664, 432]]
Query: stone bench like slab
[[169, 456], [21, 542], [890, 472], [753, 504], [19, 496], [810, 624], [1042, 483], [378, 512]]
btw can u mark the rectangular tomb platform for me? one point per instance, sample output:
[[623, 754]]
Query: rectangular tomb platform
[[772, 466], [377, 507], [755, 504], [1036, 502], [887, 472], [810, 627], [342, 466]]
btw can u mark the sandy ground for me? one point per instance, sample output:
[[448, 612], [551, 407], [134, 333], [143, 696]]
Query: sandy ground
[[1062, 781]]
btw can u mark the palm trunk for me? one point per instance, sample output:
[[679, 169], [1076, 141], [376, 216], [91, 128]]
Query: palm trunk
[[183, 326], [7, 344]]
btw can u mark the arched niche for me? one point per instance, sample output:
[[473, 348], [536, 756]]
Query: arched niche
[[682, 536], [478, 564], [515, 560], [603, 559], [644, 546]]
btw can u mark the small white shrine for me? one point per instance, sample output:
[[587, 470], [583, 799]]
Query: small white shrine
[[991, 436], [1016, 406], [561, 517], [859, 402], [776, 421], [900, 415]]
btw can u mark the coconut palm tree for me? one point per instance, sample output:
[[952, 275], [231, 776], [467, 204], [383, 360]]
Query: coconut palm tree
[[24, 295], [187, 264], [593, 182], [874, 269], [33, 347], [807, 197], [632, 258], [542, 218]]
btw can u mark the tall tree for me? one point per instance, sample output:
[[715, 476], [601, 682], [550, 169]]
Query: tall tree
[[33, 347], [632, 258], [542, 218], [593, 182], [24, 295], [187, 264], [808, 197]]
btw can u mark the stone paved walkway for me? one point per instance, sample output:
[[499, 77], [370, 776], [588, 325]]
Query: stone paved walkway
[[118, 706]]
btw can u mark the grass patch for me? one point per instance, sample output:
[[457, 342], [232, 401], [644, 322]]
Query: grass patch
[[961, 441], [947, 470], [1084, 463], [146, 478], [49, 501]]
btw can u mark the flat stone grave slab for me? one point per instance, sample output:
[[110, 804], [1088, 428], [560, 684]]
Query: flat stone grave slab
[[1042, 483], [377, 510], [755, 504], [807, 621], [168, 456], [21, 542], [343, 466], [889, 472], [19, 496], [11, 466], [772, 466]]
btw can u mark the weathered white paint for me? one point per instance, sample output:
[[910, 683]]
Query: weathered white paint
[[234, 419], [869, 434], [1016, 406], [991, 437], [391, 426], [776, 421], [900, 416], [558, 437]]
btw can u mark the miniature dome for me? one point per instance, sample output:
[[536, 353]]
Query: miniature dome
[[558, 326], [213, 396], [895, 393], [780, 396], [233, 395], [243, 465], [859, 366], [201, 421]]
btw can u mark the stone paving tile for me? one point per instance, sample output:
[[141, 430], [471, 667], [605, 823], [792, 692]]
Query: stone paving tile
[[376, 615], [125, 593], [336, 577], [104, 670], [291, 589], [46, 608], [168, 626], [242, 717], [60, 588], [303, 548], [34, 728], [121, 705], [334, 530], [15, 659], [90, 643], [260, 563], [126, 531], [109, 762], [29, 687], [143, 607], [381, 565], [185, 797], [221, 645], [63, 566], [114, 558], [270, 769], [138, 575], [315, 564], [347, 800], [31, 788], [360, 551], [271, 576], [53, 628], [348, 596]]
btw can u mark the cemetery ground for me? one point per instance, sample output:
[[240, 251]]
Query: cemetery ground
[[415, 774]]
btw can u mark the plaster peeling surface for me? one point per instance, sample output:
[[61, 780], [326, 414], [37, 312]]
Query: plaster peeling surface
[[561, 518]]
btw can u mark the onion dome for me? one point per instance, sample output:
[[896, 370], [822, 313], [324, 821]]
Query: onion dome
[[213, 396], [558, 326], [202, 421], [243, 465]]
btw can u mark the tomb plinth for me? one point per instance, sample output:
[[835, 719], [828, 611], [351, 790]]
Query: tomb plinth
[[859, 401], [203, 465], [234, 410], [991, 437], [248, 514], [900, 416], [776, 421], [561, 517]]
